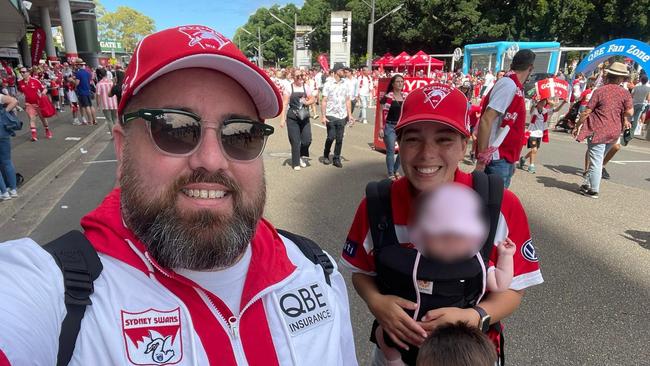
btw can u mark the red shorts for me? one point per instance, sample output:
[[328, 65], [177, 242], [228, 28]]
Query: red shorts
[[32, 110]]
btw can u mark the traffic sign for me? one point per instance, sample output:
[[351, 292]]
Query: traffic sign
[[458, 53]]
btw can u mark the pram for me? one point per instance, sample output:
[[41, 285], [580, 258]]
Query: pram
[[568, 121]]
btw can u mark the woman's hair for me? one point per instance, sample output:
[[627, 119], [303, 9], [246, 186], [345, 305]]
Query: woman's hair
[[390, 87], [457, 345], [101, 73]]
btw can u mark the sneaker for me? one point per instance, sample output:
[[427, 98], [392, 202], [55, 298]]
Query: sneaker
[[326, 160], [316, 116], [531, 169], [76, 122], [303, 164], [589, 193], [522, 162], [605, 174], [48, 133], [13, 193], [365, 121], [5, 196], [337, 163], [34, 135], [296, 168]]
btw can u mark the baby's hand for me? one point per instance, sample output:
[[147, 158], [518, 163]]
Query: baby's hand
[[506, 248]]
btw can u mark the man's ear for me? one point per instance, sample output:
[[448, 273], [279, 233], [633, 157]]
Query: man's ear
[[119, 139]]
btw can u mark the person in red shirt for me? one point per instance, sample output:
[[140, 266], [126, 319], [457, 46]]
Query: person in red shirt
[[607, 115], [503, 118], [33, 90], [433, 133]]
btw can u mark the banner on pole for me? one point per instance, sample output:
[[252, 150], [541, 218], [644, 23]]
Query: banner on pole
[[38, 45]]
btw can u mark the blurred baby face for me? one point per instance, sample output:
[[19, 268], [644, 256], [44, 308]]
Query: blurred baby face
[[449, 247]]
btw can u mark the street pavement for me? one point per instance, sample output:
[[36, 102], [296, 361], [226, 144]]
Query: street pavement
[[595, 254]]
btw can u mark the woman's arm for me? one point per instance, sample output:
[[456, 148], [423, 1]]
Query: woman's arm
[[283, 114], [10, 102], [389, 311]]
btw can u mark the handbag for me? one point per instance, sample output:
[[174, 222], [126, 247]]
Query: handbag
[[46, 107], [301, 113]]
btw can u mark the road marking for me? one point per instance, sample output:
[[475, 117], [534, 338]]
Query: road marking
[[100, 161], [73, 138], [319, 125], [100, 117], [623, 162]]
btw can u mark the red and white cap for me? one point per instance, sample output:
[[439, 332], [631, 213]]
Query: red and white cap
[[436, 103], [192, 46]]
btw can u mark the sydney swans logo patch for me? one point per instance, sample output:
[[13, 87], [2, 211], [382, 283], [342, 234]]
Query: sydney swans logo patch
[[204, 37], [435, 94], [153, 337]]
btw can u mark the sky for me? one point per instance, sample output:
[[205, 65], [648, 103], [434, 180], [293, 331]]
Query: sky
[[224, 16]]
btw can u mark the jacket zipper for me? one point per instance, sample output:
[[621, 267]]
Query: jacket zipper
[[232, 323]]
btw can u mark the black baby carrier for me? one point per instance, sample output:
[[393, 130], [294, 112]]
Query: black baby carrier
[[435, 284]]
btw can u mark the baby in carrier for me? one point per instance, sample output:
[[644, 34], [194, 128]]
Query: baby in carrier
[[448, 231]]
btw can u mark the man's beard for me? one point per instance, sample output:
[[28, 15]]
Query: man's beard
[[200, 240]]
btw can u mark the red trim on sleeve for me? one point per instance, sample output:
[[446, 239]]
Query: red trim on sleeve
[[3, 359]]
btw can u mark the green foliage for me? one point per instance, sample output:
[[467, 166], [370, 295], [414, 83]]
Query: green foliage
[[439, 26], [125, 24]]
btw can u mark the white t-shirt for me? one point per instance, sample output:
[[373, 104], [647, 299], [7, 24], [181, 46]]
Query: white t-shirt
[[503, 92], [227, 284], [352, 87], [537, 124], [365, 85], [336, 94]]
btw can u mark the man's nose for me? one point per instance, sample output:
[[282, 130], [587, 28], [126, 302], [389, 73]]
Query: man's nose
[[209, 155]]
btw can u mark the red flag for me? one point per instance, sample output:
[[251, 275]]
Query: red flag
[[322, 60], [552, 87], [38, 45]]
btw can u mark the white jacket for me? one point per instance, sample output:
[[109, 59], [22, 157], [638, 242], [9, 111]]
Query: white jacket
[[142, 314]]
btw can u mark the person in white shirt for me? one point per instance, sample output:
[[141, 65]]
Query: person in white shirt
[[353, 87], [489, 82], [365, 92], [336, 112]]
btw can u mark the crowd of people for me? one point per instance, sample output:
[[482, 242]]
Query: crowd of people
[[45, 89], [439, 256]]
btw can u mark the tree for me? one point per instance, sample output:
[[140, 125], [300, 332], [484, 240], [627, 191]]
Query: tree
[[124, 24]]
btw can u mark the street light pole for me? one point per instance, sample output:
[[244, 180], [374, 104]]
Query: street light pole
[[260, 60], [371, 27], [371, 34]]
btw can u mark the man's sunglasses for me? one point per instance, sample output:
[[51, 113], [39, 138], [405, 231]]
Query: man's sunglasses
[[179, 133]]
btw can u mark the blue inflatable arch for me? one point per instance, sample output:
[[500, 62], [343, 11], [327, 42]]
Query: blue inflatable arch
[[631, 48]]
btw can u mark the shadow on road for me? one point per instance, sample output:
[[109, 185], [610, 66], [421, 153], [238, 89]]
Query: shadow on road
[[564, 169], [640, 237], [555, 183]]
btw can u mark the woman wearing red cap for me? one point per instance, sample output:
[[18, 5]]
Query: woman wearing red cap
[[433, 131]]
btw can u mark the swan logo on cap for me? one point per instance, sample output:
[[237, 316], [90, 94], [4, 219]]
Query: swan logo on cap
[[204, 37], [435, 94]]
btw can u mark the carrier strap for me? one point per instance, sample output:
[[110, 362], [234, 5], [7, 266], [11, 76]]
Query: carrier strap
[[312, 251], [490, 188], [380, 214], [80, 266]]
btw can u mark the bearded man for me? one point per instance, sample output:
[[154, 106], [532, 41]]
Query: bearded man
[[192, 274]]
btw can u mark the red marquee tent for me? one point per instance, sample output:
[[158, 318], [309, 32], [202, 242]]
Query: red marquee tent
[[385, 60], [403, 59], [421, 59]]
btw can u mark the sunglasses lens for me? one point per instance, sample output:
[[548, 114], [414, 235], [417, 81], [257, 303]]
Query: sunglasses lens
[[175, 133], [243, 141]]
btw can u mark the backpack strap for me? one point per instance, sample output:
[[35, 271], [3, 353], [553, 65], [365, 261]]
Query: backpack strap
[[312, 251], [380, 214], [80, 266], [490, 188]]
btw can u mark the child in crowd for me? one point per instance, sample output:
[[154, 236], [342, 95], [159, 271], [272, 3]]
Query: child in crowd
[[449, 226], [74, 102], [457, 345], [540, 116]]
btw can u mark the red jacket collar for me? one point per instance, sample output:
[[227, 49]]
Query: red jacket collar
[[107, 232]]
